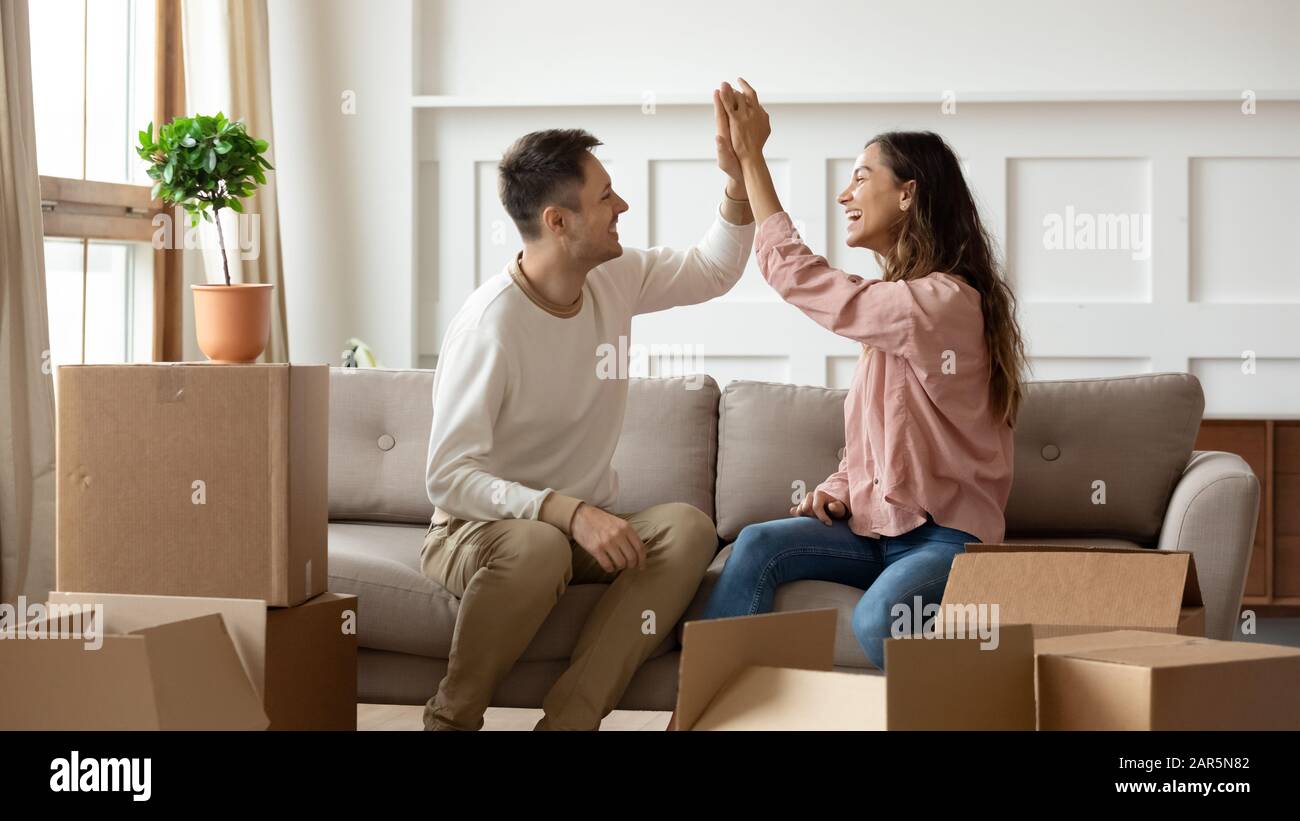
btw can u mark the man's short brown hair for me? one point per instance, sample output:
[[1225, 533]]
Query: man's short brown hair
[[540, 169]]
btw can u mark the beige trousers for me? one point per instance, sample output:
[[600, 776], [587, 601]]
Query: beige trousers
[[509, 574]]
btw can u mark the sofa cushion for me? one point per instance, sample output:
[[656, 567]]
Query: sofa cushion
[[1133, 433], [401, 610], [668, 447], [379, 444], [1100, 457], [771, 437]]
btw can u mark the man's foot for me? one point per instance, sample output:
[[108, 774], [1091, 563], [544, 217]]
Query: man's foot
[[432, 722]]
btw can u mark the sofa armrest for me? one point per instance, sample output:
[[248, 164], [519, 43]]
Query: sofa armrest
[[1212, 514]]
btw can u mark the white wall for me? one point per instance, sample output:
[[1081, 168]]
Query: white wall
[[1218, 185], [345, 204], [618, 47]]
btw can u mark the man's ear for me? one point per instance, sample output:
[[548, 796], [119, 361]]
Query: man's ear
[[907, 196], [553, 219]]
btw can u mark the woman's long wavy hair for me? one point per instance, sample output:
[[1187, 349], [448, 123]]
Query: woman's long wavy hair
[[942, 231]]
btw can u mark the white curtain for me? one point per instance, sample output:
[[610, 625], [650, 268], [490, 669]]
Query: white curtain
[[26, 385], [228, 68]]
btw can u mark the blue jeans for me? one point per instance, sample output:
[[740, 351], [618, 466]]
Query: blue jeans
[[892, 569]]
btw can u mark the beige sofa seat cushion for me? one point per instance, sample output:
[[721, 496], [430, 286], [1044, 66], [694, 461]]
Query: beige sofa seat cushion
[[403, 611]]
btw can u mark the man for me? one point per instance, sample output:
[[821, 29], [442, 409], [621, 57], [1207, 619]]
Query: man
[[524, 427]]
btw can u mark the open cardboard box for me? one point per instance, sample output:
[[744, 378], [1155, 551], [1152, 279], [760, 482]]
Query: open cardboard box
[[773, 672], [1137, 680], [301, 662], [178, 675], [1065, 590]]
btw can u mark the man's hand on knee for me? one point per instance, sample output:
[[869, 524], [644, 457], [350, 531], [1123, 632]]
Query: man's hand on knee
[[610, 540]]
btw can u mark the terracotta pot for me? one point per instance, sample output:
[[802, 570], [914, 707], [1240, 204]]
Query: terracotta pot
[[232, 322]]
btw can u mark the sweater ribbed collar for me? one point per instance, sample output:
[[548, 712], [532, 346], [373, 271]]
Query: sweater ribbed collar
[[552, 308]]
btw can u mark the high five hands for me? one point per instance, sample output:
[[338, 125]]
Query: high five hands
[[747, 120], [743, 129]]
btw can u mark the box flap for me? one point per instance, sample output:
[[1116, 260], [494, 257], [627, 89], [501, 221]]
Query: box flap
[[962, 683], [784, 698], [1050, 585], [198, 680], [245, 620], [1191, 590], [46, 684], [715, 651], [183, 675]]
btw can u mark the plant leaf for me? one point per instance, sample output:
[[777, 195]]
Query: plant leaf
[[211, 162]]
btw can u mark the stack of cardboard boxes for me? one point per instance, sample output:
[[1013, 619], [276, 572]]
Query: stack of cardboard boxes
[[1027, 636], [192, 515]]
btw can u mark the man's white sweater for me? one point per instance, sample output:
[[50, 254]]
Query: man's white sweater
[[521, 411]]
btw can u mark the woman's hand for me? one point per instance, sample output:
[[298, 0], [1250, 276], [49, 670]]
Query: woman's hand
[[750, 125], [822, 505]]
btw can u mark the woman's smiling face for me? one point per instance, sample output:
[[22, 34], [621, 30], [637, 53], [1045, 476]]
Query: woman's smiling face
[[873, 202]]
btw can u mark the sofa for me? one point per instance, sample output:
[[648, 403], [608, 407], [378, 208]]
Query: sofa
[[741, 455]]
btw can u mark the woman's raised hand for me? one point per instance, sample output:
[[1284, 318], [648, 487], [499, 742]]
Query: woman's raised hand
[[750, 125]]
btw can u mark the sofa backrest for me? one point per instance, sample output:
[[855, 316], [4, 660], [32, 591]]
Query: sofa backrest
[[1133, 433], [379, 441], [742, 454], [668, 450], [1102, 456]]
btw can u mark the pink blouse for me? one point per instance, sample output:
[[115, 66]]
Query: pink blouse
[[920, 432]]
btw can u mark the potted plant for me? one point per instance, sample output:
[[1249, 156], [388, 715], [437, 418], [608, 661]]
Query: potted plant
[[204, 164]]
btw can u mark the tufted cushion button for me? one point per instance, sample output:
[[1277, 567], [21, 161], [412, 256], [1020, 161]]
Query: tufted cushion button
[[386, 442], [1051, 452]]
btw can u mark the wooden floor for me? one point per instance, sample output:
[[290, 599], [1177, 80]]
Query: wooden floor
[[410, 717]]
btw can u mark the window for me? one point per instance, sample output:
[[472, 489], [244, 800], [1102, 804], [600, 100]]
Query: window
[[118, 283], [93, 64]]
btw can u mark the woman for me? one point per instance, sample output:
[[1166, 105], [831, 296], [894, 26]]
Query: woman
[[928, 417]]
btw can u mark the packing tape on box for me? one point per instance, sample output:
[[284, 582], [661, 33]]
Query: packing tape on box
[[170, 384]]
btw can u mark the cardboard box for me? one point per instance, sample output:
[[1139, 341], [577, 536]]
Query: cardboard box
[[1062, 590], [299, 659], [773, 672], [178, 675], [193, 480], [1136, 680]]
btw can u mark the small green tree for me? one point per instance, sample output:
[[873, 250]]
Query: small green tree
[[204, 164]]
